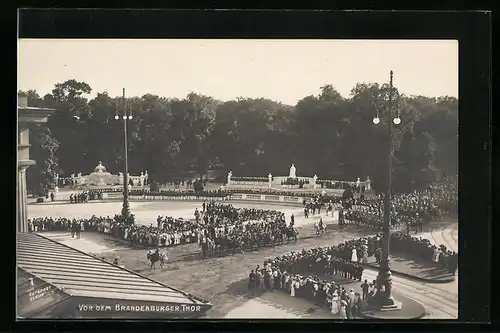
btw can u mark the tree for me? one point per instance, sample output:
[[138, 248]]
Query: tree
[[40, 177], [68, 124], [325, 134]]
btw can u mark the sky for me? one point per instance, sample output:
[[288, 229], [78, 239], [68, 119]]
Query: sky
[[281, 70]]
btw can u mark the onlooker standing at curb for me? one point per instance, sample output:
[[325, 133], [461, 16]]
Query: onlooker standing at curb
[[364, 287]]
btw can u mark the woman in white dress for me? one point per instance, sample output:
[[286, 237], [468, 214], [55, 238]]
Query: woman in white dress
[[292, 288], [435, 256], [343, 306], [354, 256], [335, 303]]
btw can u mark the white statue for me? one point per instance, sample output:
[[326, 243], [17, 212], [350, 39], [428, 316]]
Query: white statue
[[314, 179], [292, 172], [358, 183], [368, 183], [141, 179], [229, 175], [270, 178]]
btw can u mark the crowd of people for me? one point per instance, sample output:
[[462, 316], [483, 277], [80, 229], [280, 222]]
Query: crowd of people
[[168, 232], [85, 196], [217, 228], [409, 209], [311, 273], [226, 227], [298, 273], [323, 292]]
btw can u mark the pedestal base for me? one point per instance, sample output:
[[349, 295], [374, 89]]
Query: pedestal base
[[403, 308], [392, 307]]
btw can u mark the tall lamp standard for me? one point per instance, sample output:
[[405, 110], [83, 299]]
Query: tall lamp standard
[[125, 117], [384, 276]]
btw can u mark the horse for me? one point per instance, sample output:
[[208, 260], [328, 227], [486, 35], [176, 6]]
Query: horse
[[320, 229], [417, 225], [155, 257], [291, 233]]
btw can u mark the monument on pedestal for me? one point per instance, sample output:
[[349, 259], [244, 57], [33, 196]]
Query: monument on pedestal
[[293, 171], [270, 178], [100, 177], [229, 175], [314, 179], [368, 184]]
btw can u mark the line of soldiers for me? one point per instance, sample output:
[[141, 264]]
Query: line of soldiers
[[85, 196]]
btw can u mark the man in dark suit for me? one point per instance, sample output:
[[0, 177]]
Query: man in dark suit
[[364, 288], [251, 280]]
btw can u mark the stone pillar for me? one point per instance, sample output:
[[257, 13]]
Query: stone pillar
[[22, 216]]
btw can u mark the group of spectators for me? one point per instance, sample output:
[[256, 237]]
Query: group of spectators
[[309, 273], [217, 228], [85, 196], [169, 232], [226, 227], [323, 292], [424, 249], [411, 209], [298, 273]]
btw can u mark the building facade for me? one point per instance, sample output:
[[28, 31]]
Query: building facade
[[26, 115]]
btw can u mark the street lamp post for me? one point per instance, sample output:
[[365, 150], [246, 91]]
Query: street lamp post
[[126, 205], [384, 277]]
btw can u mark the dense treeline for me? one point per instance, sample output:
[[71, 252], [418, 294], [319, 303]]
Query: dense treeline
[[327, 135]]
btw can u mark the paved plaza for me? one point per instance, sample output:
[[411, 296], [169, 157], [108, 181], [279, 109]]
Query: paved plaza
[[224, 280], [145, 212]]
